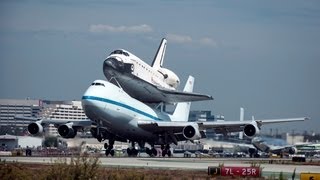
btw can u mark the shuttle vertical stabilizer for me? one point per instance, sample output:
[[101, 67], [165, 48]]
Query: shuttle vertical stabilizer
[[158, 58]]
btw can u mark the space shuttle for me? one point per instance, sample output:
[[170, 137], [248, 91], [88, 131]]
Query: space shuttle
[[149, 84]]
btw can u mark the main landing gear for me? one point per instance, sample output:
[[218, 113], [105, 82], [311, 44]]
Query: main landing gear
[[152, 152], [109, 148], [166, 150], [132, 152]]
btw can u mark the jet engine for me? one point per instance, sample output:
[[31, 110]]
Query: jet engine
[[291, 150], [170, 77], [35, 128], [191, 132], [67, 131], [252, 129]]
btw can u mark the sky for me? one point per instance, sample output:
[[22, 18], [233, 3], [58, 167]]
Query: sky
[[260, 55]]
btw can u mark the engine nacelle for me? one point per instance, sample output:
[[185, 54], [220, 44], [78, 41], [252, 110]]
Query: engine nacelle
[[250, 130], [67, 131], [170, 77], [35, 128], [291, 150], [191, 132]]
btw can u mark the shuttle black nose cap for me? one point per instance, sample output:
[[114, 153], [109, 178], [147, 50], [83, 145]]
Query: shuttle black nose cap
[[110, 63]]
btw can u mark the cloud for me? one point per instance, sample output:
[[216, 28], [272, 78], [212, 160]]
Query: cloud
[[182, 39], [100, 28], [176, 38], [208, 41]]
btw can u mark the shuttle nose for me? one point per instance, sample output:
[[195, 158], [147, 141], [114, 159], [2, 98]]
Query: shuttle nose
[[109, 63], [113, 63]]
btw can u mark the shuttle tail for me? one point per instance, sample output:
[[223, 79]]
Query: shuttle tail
[[158, 58], [181, 113]]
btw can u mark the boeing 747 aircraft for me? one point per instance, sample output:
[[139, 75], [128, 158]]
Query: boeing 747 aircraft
[[119, 117], [149, 84]]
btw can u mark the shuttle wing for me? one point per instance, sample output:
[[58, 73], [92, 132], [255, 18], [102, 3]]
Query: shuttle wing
[[149, 93], [179, 96]]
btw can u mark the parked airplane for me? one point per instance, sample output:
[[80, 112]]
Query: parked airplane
[[119, 117], [260, 144], [263, 146], [149, 84]]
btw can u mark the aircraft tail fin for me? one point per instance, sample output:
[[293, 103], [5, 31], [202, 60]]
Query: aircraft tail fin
[[181, 113], [158, 58]]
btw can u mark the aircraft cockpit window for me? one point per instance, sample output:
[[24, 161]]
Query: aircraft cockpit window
[[126, 54], [97, 84], [120, 52]]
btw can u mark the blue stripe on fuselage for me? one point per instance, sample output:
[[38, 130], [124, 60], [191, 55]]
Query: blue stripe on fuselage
[[121, 105]]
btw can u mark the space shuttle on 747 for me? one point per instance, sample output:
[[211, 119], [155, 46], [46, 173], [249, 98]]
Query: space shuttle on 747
[[149, 84], [115, 116]]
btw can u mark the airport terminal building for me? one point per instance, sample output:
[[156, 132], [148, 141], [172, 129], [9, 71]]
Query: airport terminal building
[[12, 108]]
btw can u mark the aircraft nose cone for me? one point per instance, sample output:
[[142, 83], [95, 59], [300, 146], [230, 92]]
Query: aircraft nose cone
[[110, 63]]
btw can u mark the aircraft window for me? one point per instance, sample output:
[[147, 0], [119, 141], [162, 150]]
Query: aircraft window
[[97, 84], [117, 52], [120, 52]]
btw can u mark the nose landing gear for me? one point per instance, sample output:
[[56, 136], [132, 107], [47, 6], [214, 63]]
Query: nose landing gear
[[109, 148]]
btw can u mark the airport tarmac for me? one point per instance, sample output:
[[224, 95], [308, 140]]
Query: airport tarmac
[[180, 163]]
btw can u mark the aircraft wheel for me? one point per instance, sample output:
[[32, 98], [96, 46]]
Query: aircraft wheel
[[169, 153], [154, 152], [134, 152], [148, 151], [106, 146], [129, 152], [99, 138], [164, 153], [112, 152], [94, 132], [107, 152]]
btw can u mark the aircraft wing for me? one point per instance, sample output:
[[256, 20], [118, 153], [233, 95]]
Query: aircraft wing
[[179, 96], [58, 122], [150, 93], [220, 127], [272, 121], [67, 128], [177, 127], [236, 126]]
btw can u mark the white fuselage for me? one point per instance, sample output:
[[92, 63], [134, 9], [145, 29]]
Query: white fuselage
[[128, 70], [112, 108]]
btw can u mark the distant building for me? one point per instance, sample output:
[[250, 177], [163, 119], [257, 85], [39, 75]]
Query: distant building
[[201, 116], [294, 139], [10, 142], [9, 108], [63, 110]]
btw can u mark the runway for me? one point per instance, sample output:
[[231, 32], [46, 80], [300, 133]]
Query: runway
[[181, 163]]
